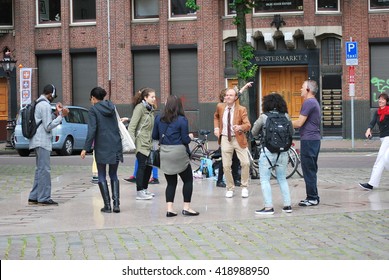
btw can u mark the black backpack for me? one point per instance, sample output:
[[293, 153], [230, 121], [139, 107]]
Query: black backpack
[[277, 132], [29, 126]]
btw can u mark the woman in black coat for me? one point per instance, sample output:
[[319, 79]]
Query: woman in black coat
[[104, 135]]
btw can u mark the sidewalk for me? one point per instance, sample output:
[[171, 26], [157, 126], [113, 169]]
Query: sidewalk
[[349, 223]]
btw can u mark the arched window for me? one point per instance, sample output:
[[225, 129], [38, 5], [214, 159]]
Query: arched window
[[231, 53], [331, 51]]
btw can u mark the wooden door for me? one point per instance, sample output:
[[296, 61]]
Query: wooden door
[[3, 99], [287, 82]]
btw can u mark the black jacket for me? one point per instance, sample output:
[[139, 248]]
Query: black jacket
[[103, 133]]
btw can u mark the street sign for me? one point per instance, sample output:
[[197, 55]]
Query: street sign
[[351, 53]]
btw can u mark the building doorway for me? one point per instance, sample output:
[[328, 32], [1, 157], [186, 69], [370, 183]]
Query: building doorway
[[3, 108], [286, 81]]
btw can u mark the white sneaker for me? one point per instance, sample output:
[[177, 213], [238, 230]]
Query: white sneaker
[[245, 192], [146, 191], [229, 194], [141, 195]]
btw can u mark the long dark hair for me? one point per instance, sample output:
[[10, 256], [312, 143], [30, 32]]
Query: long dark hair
[[173, 109], [274, 101]]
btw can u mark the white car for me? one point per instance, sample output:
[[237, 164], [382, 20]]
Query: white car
[[67, 137]]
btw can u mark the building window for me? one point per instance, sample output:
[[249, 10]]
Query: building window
[[83, 11], [231, 53], [331, 51], [375, 5], [379, 71], [230, 11], [49, 11], [278, 6], [178, 9], [145, 9], [327, 6], [6, 13]]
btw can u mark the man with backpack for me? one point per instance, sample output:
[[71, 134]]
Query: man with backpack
[[41, 143], [309, 123], [276, 129]]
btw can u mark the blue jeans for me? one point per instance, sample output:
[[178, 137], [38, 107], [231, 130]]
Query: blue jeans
[[265, 173], [309, 155]]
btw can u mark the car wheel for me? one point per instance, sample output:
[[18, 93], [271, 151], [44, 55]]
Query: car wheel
[[67, 148], [23, 153]]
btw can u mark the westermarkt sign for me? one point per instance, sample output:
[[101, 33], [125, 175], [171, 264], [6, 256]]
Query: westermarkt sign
[[295, 57]]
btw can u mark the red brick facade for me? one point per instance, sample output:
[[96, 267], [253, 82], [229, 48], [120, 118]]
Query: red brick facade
[[206, 32]]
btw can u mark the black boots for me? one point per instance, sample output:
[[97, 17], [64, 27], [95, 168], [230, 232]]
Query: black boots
[[105, 194], [115, 195]]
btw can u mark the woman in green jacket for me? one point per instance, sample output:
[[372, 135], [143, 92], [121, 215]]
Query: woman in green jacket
[[140, 128]]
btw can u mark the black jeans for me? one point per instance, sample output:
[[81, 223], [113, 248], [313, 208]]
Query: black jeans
[[187, 189], [309, 156], [143, 173], [112, 171], [234, 168]]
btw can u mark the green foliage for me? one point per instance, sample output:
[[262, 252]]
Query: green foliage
[[245, 68], [191, 4]]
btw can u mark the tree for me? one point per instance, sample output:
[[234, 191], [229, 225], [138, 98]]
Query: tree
[[245, 68]]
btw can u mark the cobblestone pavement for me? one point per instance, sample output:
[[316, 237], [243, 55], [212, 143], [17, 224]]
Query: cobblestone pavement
[[349, 224]]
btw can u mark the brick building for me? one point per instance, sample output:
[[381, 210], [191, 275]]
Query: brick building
[[123, 45]]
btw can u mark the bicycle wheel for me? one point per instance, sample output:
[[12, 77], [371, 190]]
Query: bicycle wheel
[[299, 170], [292, 164], [254, 169], [196, 154]]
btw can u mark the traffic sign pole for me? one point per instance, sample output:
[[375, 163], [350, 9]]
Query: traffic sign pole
[[351, 60]]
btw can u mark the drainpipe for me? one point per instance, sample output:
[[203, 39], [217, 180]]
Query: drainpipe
[[109, 50]]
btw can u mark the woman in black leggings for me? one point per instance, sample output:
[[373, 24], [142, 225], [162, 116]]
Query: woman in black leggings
[[171, 129]]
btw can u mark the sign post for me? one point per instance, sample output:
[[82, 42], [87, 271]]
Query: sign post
[[351, 60]]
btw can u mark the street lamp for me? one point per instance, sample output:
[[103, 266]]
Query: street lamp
[[8, 65]]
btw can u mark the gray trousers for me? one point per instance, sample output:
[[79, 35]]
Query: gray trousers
[[41, 190]]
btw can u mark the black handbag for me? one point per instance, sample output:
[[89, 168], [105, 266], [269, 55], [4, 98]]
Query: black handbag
[[154, 158]]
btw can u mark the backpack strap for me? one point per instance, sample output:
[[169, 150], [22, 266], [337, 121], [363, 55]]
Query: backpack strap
[[272, 166]]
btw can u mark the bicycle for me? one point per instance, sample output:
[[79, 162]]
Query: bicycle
[[200, 149], [255, 152]]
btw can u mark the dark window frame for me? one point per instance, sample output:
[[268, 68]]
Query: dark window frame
[[7, 14], [327, 6], [135, 5], [180, 4], [48, 12], [375, 6], [280, 7], [331, 51], [83, 11]]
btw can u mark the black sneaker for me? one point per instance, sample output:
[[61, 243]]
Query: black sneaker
[[287, 209], [265, 211], [366, 186], [32, 202], [237, 183], [153, 181], [309, 202], [132, 179], [220, 184], [49, 202], [95, 180]]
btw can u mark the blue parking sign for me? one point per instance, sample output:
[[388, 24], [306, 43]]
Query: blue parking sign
[[351, 53]]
